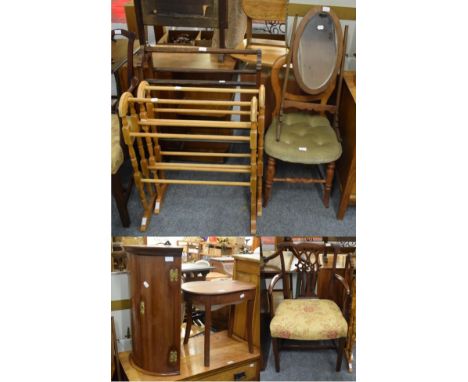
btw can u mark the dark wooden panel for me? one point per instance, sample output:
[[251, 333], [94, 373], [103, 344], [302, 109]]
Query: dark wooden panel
[[156, 304]]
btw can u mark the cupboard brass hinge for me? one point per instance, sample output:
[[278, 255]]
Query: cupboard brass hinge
[[142, 307], [174, 275], [173, 356]]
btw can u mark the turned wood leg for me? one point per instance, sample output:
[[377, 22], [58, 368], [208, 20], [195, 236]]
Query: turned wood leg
[[328, 183], [270, 174], [120, 197], [207, 333], [339, 360], [274, 342], [188, 325], [231, 320], [250, 307]]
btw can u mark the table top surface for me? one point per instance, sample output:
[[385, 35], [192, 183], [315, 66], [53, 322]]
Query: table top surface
[[255, 258], [217, 287], [269, 53], [223, 259], [189, 60], [193, 267]]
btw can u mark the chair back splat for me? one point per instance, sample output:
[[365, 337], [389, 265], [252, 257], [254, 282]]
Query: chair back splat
[[307, 261]]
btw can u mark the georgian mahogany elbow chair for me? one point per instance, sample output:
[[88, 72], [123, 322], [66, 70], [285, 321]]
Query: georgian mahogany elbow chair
[[305, 135], [303, 316]]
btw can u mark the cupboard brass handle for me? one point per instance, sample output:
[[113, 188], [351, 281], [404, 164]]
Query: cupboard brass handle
[[142, 308], [174, 275], [173, 356]]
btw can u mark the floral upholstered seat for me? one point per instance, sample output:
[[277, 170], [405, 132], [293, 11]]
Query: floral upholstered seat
[[308, 319]]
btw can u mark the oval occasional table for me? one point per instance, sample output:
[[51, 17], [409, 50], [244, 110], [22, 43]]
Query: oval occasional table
[[221, 292]]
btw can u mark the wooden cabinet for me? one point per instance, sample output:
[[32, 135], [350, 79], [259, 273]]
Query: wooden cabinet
[[247, 268], [155, 275], [229, 361], [346, 165], [244, 372]]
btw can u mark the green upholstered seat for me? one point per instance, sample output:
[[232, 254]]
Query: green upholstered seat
[[117, 156], [305, 138]]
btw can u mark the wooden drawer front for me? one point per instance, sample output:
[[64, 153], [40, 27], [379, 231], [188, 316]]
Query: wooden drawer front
[[246, 372]]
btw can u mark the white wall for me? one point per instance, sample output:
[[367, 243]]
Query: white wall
[[120, 290]]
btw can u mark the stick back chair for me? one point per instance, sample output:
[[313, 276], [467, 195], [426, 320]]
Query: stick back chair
[[302, 317], [305, 135], [143, 116]]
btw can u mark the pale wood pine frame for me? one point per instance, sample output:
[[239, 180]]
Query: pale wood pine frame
[[149, 173]]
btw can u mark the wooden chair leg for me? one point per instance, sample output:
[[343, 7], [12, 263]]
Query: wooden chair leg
[[270, 174], [328, 183], [250, 306], [207, 334], [231, 320], [188, 325], [120, 197], [274, 342], [339, 360]]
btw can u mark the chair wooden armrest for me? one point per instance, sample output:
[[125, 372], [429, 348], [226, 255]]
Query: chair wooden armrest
[[347, 298], [274, 280], [344, 283]]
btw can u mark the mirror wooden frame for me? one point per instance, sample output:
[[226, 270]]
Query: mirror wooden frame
[[314, 11]]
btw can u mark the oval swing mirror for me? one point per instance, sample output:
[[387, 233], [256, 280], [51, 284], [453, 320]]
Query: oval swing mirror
[[317, 50]]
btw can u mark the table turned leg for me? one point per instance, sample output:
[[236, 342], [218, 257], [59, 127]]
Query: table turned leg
[[207, 333], [250, 307], [188, 325], [231, 320]]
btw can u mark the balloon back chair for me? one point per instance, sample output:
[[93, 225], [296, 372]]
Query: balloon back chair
[[301, 131], [302, 317]]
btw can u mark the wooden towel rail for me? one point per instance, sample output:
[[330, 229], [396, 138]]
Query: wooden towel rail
[[142, 116]]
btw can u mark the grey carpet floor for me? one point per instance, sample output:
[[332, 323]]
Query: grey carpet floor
[[313, 365], [294, 209]]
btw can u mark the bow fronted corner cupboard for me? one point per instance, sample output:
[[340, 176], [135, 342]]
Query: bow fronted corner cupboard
[[155, 280]]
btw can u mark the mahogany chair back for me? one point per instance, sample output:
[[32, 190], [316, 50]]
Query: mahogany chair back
[[307, 264]]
